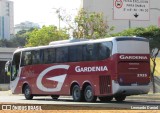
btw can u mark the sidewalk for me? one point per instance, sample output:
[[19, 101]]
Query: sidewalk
[[149, 96], [4, 87]]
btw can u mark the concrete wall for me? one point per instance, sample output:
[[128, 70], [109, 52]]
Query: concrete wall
[[6, 53]]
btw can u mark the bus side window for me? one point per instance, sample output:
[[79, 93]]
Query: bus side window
[[45, 56], [75, 53], [36, 57], [41, 56], [28, 58], [72, 53], [90, 52], [51, 55], [104, 50], [86, 53], [95, 51], [23, 59], [79, 53], [62, 54]]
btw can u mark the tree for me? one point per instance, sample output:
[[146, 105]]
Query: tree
[[45, 35], [18, 40], [152, 33], [5, 43], [86, 24]]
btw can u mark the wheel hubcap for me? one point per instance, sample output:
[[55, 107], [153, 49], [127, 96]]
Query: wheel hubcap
[[76, 94], [88, 93], [27, 92]]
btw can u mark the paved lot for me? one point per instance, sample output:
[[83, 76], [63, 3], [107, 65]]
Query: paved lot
[[133, 102]]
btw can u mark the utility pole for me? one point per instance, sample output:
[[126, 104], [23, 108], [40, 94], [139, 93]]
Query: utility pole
[[129, 23], [58, 10]]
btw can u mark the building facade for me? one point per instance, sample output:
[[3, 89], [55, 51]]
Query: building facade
[[6, 19], [25, 26], [106, 7]]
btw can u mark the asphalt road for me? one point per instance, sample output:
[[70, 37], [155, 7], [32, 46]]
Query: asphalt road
[[134, 102]]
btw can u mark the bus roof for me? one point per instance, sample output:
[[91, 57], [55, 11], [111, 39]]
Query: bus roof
[[64, 43]]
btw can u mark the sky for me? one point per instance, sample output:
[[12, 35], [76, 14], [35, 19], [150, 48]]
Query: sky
[[42, 12]]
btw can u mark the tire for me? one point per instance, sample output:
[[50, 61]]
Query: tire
[[27, 92], [76, 93], [89, 94], [55, 97], [120, 98], [106, 99]]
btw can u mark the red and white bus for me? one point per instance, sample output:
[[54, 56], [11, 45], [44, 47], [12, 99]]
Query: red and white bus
[[105, 68]]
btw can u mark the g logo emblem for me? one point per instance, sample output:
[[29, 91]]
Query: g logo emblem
[[60, 78]]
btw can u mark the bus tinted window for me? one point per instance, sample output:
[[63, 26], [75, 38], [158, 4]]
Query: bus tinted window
[[75, 53], [49, 55], [36, 57], [26, 58], [97, 51], [105, 50], [62, 54], [90, 52]]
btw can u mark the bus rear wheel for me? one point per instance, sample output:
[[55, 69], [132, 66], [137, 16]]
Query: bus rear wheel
[[55, 97], [106, 99], [27, 92], [76, 93], [89, 94], [120, 98]]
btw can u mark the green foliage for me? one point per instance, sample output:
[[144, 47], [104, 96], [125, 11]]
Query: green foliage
[[90, 25], [5, 43], [45, 35], [18, 40], [86, 24]]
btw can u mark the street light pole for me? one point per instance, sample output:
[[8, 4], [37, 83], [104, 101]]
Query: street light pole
[[59, 17]]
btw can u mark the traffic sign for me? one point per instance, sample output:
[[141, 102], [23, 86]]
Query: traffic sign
[[118, 3], [131, 9]]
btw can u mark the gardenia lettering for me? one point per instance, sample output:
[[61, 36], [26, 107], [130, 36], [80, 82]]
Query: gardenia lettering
[[133, 57], [91, 69]]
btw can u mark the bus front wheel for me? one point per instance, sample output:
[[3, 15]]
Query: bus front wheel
[[89, 94], [27, 92]]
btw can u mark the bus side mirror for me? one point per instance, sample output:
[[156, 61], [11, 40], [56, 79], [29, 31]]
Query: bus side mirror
[[8, 68]]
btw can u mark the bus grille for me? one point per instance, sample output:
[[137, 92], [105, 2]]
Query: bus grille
[[105, 84]]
